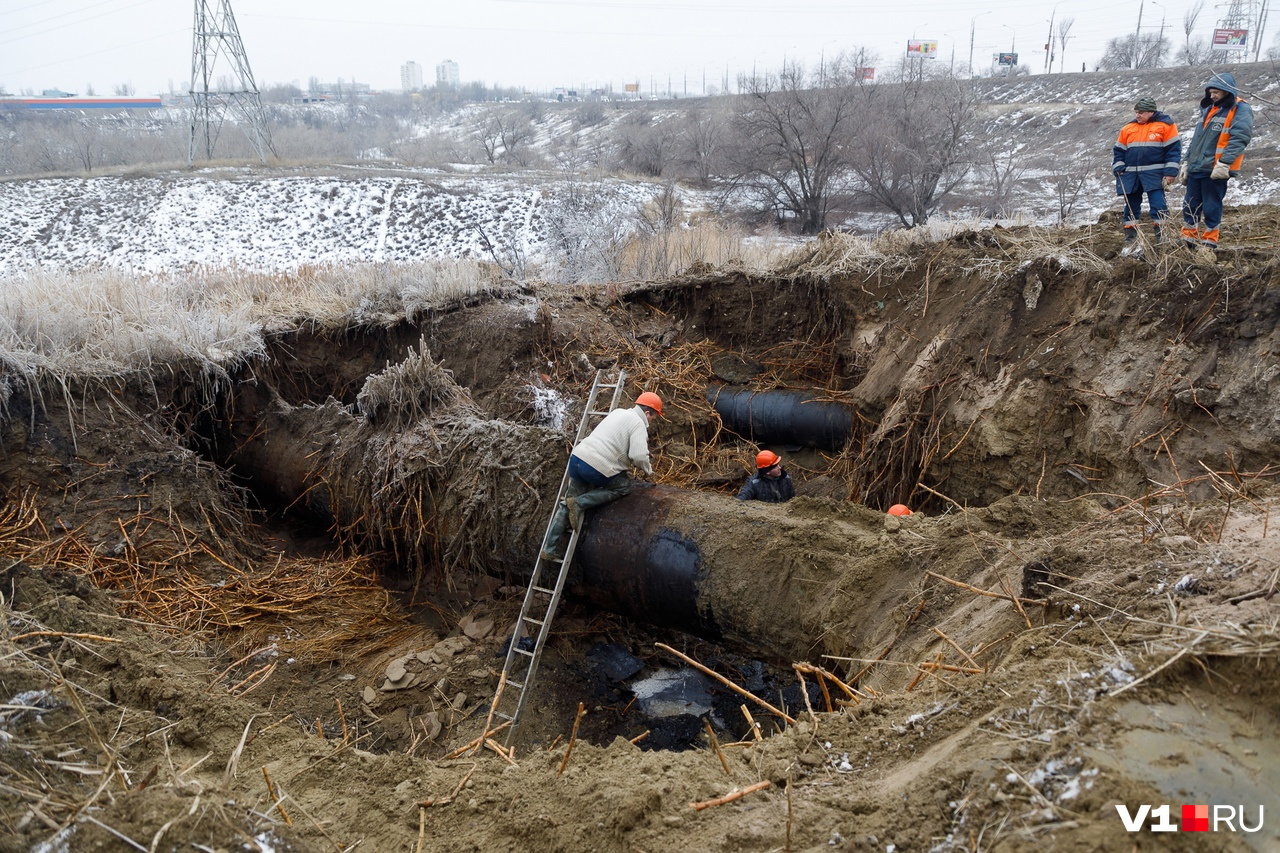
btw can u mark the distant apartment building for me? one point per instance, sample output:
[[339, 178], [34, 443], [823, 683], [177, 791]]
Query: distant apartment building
[[447, 74], [410, 76]]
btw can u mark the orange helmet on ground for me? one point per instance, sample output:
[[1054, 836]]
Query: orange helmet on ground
[[650, 400], [766, 459], [899, 509]]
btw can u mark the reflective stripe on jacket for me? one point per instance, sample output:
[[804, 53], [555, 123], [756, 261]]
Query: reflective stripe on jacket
[[1148, 152]]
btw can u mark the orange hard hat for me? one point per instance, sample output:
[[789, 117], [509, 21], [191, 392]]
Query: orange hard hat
[[766, 459], [899, 509], [650, 400]]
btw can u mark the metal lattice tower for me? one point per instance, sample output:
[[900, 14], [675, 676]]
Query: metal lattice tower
[[215, 33]]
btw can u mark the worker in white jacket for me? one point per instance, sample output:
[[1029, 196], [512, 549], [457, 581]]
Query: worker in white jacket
[[599, 466]]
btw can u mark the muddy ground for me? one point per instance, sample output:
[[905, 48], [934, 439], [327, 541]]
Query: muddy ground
[[1081, 613]]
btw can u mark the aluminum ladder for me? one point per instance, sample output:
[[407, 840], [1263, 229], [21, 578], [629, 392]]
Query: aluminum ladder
[[541, 600]]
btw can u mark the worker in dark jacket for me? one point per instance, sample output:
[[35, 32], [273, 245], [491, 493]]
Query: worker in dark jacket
[[1145, 160], [771, 484], [1214, 155]]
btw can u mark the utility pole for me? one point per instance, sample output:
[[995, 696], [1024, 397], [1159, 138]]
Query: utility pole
[[215, 32], [1137, 36]]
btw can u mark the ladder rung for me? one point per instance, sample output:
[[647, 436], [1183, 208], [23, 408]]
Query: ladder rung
[[523, 652], [544, 590], [534, 621], [518, 685], [503, 715], [598, 412], [550, 559]]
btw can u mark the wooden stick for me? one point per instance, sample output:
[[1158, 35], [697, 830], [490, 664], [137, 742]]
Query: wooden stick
[[956, 646], [422, 826], [755, 727], [493, 707], [727, 683], [1041, 602], [715, 744], [644, 734], [559, 738], [64, 634], [940, 494], [933, 666], [804, 691], [457, 753], [462, 783], [496, 747], [828, 675], [343, 717], [573, 738], [731, 796], [271, 789], [1182, 651], [1007, 586]]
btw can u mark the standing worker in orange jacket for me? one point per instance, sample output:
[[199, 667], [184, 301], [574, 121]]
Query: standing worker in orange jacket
[[1214, 155], [1145, 160], [599, 463]]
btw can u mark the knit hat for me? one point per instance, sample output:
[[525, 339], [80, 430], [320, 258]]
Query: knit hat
[[1145, 104]]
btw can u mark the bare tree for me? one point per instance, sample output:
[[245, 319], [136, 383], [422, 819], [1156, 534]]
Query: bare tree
[[1069, 185], [1196, 52], [1147, 50], [503, 136], [789, 132], [701, 141], [644, 145], [124, 90], [1189, 19], [1064, 34], [1002, 166], [910, 152]]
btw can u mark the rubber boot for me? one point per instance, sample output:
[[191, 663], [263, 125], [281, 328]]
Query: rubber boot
[[1132, 246]]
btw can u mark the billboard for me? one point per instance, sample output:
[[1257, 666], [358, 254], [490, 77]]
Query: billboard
[[1006, 59], [1231, 40], [866, 74], [923, 48], [631, 87]]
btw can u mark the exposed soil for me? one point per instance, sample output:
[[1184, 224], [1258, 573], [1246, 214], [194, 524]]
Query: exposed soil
[[1081, 612]]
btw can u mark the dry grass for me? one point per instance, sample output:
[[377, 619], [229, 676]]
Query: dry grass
[[409, 391], [672, 252], [195, 582], [108, 323]]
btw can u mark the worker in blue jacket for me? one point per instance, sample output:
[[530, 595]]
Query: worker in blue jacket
[[1145, 160], [1214, 156]]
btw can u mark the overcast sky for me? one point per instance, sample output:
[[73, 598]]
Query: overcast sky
[[540, 44]]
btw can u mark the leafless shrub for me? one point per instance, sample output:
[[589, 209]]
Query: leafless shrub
[[409, 391]]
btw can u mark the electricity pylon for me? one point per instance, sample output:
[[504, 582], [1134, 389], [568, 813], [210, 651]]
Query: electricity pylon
[[212, 101]]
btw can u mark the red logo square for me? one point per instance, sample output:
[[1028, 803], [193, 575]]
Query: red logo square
[[1195, 818]]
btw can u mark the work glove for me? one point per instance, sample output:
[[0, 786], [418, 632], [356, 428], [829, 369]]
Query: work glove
[[1118, 169], [1221, 171], [1182, 174]]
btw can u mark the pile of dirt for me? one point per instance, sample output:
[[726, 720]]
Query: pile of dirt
[[1080, 614]]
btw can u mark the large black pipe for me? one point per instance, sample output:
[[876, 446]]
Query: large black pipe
[[783, 417], [630, 560], [754, 575]]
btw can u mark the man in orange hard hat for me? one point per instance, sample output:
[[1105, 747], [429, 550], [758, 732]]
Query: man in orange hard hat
[[770, 484], [599, 464]]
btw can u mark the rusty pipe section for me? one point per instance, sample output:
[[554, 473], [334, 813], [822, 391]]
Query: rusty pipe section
[[783, 417]]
